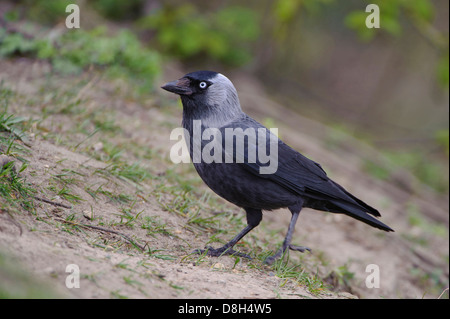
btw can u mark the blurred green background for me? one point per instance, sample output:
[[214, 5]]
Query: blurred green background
[[388, 86]]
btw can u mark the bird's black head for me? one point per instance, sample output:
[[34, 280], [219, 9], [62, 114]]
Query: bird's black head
[[192, 83], [206, 95]]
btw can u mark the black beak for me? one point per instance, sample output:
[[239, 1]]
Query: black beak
[[181, 87]]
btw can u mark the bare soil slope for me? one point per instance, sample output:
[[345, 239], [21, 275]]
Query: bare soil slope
[[97, 149]]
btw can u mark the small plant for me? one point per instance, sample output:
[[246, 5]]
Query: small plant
[[15, 192], [60, 185], [224, 36], [133, 173], [340, 278], [122, 54], [295, 273], [154, 226]]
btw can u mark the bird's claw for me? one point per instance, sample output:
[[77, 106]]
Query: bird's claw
[[301, 249], [269, 260]]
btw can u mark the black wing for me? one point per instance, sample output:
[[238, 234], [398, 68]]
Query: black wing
[[302, 176]]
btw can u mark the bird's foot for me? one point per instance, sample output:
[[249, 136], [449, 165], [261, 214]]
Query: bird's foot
[[270, 260], [301, 249], [217, 252]]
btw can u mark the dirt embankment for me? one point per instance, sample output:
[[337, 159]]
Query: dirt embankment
[[96, 149]]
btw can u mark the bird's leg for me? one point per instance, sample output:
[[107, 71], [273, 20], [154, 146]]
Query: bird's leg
[[287, 240], [254, 217]]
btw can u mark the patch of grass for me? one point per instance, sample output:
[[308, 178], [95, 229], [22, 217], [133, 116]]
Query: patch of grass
[[198, 220], [424, 167], [11, 129], [175, 200], [418, 220], [71, 227], [294, 273], [8, 124], [132, 282], [105, 123], [68, 176], [376, 170], [120, 198], [340, 278], [432, 282], [117, 295], [182, 193], [109, 152], [15, 193], [195, 259], [134, 173], [223, 35], [155, 254], [154, 225], [127, 217], [66, 193], [429, 167], [75, 50]]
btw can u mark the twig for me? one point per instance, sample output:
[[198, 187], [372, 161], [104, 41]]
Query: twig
[[51, 202], [445, 290], [142, 248]]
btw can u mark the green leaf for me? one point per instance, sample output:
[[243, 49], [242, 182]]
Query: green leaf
[[15, 43], [390, 24], [66, 66], [422, 9], [285, 10]]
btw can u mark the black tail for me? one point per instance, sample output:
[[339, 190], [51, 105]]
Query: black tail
[[360, 213], [356, 208], [342, 202]]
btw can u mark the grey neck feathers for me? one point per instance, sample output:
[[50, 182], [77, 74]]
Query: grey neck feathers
[[217, 107]]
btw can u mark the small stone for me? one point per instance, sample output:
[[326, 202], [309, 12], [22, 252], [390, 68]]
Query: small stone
[[218, 266], [88, 214], [98, 146]]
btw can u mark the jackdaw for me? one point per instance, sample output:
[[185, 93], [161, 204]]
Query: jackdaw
[[210, 102]]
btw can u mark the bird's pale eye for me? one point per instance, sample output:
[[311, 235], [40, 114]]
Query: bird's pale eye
[[203, 85]]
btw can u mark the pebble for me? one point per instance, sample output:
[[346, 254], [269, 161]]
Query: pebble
[[88, 214]]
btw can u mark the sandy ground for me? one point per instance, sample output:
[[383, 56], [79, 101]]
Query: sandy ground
[[44, 244]]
